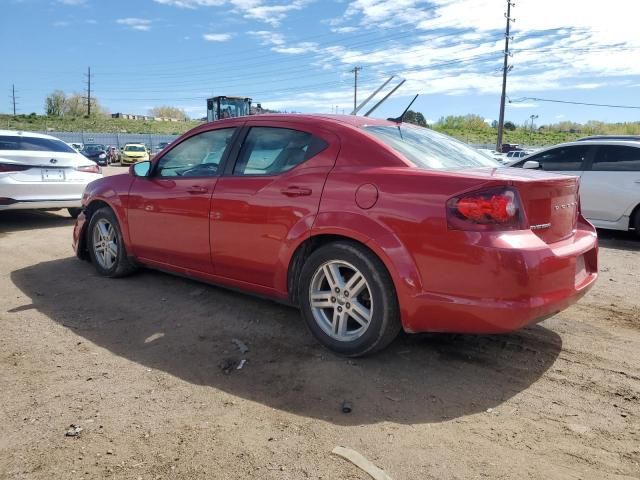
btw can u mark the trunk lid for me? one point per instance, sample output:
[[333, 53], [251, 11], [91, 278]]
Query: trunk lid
[[550, 201], [36, 158]]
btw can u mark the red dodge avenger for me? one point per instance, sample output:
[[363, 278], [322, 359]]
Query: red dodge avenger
[[368, 226]]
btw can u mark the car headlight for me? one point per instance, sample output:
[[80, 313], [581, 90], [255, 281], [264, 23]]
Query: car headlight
[[102, 155]]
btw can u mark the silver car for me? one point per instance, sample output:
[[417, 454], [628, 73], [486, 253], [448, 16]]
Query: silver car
[[41, 172]]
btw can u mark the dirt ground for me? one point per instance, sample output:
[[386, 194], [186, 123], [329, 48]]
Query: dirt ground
[[135, 363]]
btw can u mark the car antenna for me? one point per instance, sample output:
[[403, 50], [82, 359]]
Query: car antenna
[[401, 117]]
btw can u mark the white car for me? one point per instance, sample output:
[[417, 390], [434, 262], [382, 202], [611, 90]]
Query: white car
[[515, 155], [41, 172], [76, 146], [610, 178]]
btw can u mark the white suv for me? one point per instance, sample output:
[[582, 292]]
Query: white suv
[[610, 178]]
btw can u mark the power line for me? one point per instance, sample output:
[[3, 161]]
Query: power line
[[505, 72], [573, 103]]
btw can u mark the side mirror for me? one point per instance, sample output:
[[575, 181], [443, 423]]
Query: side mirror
[[140, 169], [531, 164]]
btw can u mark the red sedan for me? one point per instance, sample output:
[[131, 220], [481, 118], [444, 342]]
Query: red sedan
[[368, 226]]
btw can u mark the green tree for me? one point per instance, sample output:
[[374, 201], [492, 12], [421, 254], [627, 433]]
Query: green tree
[[509, 126], [165, 111], [54, 103]]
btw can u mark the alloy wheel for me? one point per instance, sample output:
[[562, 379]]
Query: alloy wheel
[[341, 301], [105, 243]]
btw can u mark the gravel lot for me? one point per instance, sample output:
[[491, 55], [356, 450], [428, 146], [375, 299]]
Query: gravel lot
[[136, 363]]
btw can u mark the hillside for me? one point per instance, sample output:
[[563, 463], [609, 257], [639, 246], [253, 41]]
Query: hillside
[[97, 124]]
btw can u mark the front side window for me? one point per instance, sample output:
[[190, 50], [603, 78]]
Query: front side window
[[17, 142], [271, 151], [617, 159], [428, 149], [562, 159], [197, 156]]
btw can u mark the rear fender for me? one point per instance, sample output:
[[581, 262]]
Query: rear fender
[[382, 241]]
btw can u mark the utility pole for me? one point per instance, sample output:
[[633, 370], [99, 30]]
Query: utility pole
[[505, 71], [355, 87], [88, 97], [532, 117], [13, 98]]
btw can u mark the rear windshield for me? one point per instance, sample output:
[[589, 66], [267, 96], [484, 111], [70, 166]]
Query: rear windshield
[[18, 142], [93, 147], [428, 149], [134, 148]]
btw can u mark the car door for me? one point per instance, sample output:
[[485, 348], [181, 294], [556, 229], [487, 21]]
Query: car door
[[168, 211], [610, 188], [268, 198]]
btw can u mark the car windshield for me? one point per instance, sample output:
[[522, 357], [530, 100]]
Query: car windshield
[[134, 148], [428, 149], [18, 142]]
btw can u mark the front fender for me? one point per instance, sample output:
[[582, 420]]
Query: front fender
[[114, 192]]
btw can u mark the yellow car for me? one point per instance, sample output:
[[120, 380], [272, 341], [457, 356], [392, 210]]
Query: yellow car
[[133, 153]]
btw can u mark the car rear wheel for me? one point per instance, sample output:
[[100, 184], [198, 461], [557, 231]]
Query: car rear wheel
[[348, 300], [74, 212], [106, 248]]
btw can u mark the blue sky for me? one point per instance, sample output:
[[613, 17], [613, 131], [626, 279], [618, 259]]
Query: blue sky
[[297, 54]]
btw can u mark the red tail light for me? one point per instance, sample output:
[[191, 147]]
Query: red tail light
[[495, 209], [11, 167], [90, 169]]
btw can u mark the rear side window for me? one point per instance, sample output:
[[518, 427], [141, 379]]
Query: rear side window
[[428, 149], [271, 150], [617, 159], [562, 159], [17, 142]]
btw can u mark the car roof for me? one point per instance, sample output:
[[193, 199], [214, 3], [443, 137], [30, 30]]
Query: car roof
[[20, 133]]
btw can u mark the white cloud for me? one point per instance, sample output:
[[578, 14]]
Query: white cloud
[[61, 23], [588, 86], [142, 24], [217, 37], [260, 10]]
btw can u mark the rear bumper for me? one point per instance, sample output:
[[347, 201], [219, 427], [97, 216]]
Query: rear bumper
[[517, 280]]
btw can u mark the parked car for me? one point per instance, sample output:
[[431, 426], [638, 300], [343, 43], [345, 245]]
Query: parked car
[[113, 155], [41, 172], [134, 152], [96, 152], [515, 154], [369, 226], [635, 138], [610, 178], [76, 146]]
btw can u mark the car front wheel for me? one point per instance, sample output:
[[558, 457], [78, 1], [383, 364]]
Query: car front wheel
[[106, 248], [348, 299]]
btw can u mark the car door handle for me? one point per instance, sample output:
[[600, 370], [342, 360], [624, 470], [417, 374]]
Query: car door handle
[[296, 191], [197, 189]]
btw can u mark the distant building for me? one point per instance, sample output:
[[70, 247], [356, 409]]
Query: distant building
[[130, 116]]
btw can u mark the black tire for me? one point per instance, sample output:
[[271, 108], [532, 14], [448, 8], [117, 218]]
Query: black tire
[[384, 324], [636, 222], [121, 265], [74, 212]]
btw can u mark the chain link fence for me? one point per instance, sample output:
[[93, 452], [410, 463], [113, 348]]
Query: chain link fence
[[151, 140]]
